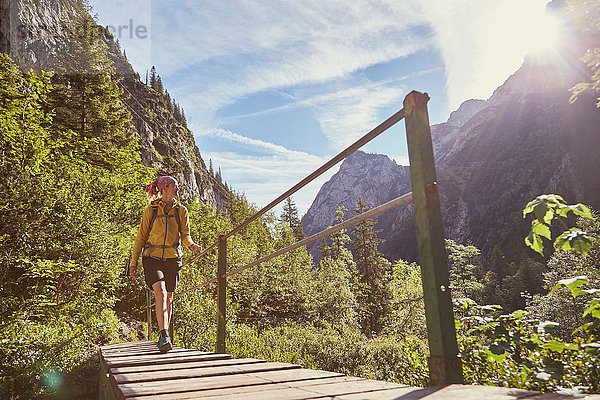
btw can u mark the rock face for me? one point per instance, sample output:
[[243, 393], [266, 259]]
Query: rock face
[[492, 157], [373, 177], [32, 32]]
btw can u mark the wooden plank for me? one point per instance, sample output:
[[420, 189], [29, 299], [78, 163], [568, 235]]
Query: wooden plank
[[125, 344], [457, 391], [174, 366], [202, 372], [216, 382], [148, 352], [160, 358], [248, 390], [314, 390], [558, 396]]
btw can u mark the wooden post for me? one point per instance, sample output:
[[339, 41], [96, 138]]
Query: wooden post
[[444, 364], [148, 314], [221, 293]]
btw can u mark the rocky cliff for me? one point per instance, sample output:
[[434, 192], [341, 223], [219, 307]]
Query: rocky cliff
[[33, 32], [374, 177], [492, 157]]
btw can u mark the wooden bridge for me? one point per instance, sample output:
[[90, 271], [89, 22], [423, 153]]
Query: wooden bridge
[[139, 371]]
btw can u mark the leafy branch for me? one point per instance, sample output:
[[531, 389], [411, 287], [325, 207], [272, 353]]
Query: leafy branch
[[548, 208]]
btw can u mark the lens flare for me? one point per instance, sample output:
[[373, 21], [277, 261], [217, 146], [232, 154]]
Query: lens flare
[[52, 379]]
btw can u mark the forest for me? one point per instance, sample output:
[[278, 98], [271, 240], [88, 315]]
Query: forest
[[73, 194]]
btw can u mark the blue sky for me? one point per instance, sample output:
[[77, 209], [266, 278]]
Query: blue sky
[[273, 89]]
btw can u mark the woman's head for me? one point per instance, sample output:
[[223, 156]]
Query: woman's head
[[160, 185]]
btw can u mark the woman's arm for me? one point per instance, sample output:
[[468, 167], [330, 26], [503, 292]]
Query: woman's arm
[[186, 238]]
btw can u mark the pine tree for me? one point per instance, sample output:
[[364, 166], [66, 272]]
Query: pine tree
[[336, 302], [90, 113], [372, 274], [153, 77], [183, 119], [168, 102], [158, 86], [176, 112], [289, 216]]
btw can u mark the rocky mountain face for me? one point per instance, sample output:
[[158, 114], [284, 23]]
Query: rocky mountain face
[[374, 177], [492, 157], [33, 32]]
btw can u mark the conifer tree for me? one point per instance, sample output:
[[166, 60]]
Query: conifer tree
[[336, 302], [372, 274], [167, 101], [183, 119], [176, 112], [90, 113], [289, 215], [153, 77], [159, 85]]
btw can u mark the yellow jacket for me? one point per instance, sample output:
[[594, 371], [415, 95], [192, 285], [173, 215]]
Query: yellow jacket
[[164, 240]]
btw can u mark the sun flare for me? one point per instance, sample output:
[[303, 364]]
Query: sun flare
[[507, 32], [542, 33]]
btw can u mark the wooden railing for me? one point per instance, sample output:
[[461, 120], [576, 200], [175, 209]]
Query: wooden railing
[[444, 364]]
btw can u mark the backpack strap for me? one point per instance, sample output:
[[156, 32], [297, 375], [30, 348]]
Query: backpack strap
[[152, 219], [176, 208]]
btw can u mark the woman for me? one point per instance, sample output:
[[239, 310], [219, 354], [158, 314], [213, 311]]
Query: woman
[[165, 225]]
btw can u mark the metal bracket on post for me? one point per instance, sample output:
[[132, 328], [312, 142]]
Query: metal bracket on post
[[444, 364], [221, 294]]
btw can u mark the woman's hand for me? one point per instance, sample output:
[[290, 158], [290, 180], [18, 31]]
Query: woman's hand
[[132, 271], [195, 247]]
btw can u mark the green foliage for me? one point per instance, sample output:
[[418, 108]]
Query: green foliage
[[547, 208], [558, 304], [371, 279], [289, 215], [407, 314], [588, 12], [515, 350], [399, 360], [335, 300], [466, 272], [66, 222]]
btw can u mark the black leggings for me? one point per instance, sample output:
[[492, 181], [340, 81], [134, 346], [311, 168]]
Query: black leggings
[[157, 269]]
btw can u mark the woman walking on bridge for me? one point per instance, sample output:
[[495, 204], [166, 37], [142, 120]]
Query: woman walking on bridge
[[165, 225]]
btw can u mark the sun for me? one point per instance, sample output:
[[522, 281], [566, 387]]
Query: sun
[[508, 31], [542, 33]]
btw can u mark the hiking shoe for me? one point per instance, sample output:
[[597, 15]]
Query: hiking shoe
[[164, 344]]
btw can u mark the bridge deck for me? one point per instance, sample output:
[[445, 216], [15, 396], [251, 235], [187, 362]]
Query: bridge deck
[[138, 370]]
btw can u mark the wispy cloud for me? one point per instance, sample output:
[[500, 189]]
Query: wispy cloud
[[230, 50], [262, 146], [265, 176]]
